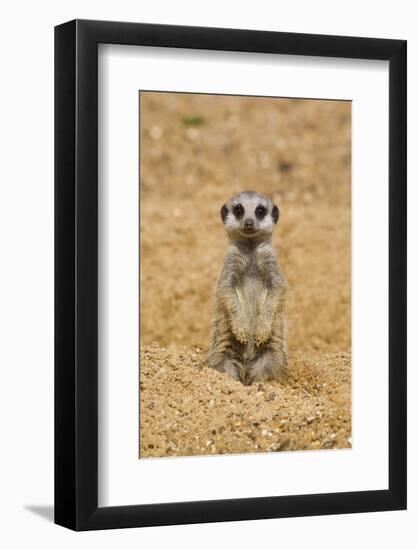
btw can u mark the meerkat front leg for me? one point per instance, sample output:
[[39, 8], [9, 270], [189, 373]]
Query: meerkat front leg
[[263, 324], [271, 304], [238, 320], [232, 301]]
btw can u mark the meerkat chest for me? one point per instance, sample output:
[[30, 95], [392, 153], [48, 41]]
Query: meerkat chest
[[255, 269]]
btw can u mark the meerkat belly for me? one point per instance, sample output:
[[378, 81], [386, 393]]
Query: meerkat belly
[[252, 294]]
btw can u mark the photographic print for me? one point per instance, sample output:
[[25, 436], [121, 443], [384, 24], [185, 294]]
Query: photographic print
[[245, 286], [206, 272]]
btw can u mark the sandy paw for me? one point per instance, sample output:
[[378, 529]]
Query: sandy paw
[[241, 334], [262, 334]]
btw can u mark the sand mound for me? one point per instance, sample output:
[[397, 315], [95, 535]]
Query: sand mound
[[189, 409]]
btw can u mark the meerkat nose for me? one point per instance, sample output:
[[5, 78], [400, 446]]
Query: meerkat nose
[[249, 222]]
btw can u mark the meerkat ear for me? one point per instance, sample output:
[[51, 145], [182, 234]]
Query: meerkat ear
[[223, 212], [275, 213]]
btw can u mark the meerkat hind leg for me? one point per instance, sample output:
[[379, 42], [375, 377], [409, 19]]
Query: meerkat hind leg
[[270, 365], [232, 367]]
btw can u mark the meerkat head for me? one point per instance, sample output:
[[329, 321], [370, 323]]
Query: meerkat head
[[249, 215]]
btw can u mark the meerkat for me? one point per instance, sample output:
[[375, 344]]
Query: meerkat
[[249, 326]]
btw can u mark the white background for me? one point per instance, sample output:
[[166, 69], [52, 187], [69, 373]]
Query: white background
[[123, 479], [26, 300]]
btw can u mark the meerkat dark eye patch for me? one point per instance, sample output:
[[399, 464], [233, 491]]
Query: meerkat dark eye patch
[[223, 212], [238, 211], [275, 214], [260, 212]]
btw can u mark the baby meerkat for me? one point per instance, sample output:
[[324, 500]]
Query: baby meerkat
[[249, 333]]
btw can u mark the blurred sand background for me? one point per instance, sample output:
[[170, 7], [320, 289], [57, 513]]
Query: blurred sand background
[[196, 152]]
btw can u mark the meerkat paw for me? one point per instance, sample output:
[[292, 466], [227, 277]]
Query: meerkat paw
[[241, 332], [241, 335], [262, 332]]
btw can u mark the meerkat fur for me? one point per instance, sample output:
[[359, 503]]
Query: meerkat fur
[[249, 326]]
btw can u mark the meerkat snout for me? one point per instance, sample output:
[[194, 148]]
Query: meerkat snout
[[249, 336]]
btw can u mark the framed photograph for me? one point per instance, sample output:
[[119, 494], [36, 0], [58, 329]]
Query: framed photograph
[[230, 284]]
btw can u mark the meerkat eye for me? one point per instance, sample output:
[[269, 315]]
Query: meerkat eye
[[260, 211], [238, 211]]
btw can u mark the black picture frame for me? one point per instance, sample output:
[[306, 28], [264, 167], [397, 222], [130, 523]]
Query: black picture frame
[[76, 273]]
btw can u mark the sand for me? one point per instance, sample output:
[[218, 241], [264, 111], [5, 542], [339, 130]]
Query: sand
[[196, 152], [190, 409]]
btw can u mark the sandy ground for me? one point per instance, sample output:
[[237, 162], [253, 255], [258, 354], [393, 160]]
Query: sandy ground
[[196, 152], [189, 409]]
